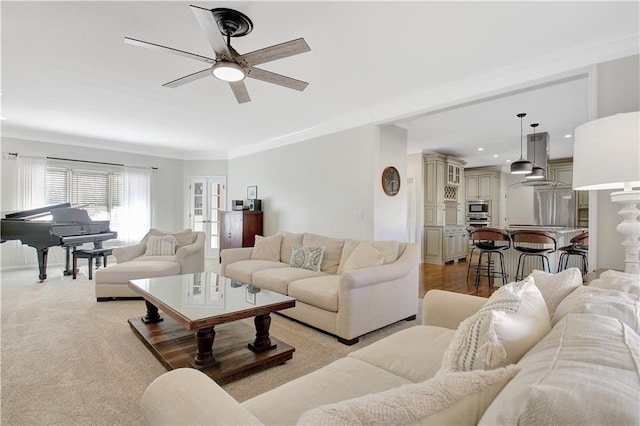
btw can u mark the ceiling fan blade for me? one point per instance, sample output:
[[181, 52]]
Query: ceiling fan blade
[[272, 53], [281, 80], [210, 27], [188, 78], [240, 91], [161, 48]]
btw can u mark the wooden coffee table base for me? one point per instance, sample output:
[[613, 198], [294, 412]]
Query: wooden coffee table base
[[176, 347]]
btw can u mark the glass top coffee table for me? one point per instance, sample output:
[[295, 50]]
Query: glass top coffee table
[[198, 303]]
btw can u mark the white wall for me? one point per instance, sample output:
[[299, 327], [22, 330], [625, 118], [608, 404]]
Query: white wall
[[618, 85], [313, 186], [390, 213], [166, 183]]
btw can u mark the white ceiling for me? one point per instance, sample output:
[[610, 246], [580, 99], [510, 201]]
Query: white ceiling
[[67, 75]]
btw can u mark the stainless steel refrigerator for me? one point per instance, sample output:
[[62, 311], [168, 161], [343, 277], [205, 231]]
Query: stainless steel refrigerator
[[554, 207]]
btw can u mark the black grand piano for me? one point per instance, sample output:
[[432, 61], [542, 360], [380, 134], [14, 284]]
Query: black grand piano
[[69, 227]]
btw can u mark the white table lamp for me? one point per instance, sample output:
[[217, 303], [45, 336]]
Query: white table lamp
[[606, 155]]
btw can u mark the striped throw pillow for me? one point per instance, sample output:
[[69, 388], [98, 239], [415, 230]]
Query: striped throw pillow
[[161, 246]]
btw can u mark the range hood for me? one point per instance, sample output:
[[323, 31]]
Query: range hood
[[541, 159]]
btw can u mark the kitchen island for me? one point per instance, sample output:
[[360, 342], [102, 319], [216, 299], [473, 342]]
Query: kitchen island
[[562, 236]]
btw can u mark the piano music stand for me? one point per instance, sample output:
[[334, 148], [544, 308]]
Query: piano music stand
[[90, 254]]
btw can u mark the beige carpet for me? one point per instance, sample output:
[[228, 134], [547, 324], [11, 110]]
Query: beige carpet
[[66, 359]]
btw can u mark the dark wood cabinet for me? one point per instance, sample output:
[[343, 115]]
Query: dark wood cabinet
[[239, 228]]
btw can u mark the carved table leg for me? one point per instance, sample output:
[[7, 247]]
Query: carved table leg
[[263, 341], [153, 316], [204, 357]]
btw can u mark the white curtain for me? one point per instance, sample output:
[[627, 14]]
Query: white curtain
[[136, 215], [31, 194]]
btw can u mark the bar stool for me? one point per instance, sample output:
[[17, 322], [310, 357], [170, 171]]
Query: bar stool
[[578, 246], [489, 241], [532, 237]]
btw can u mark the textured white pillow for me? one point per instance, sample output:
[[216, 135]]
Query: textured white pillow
[[620, 305], [364, 256], [267, 248], [453, 398], [161, 246], [183, 238], [620, 281], [513, 320], [306, 257], [555, 287]]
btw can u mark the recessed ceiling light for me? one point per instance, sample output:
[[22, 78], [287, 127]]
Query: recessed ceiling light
[[3, 118], [568, 135], [508, 161], [480, 149], [495, 155]]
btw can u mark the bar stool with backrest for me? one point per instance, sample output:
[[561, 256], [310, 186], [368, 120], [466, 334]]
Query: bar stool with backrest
[[522, 238], [578, 246], [490, 242]]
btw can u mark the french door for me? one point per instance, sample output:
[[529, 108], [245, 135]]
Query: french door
[[206, 202]]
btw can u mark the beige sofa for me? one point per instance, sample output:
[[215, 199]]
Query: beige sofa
[[355, 278], [584, 371], [133, 262]]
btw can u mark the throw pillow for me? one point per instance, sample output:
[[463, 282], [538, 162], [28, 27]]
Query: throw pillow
[[555, 287], [364, 256], [622, 306], [620, 281], [161, 246], [306, 257], [513, 320], [267, 248], [183, 238], [453, 398], [288, 240]]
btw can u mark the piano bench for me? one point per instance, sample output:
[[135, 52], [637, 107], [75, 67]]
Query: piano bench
[[91, 254]]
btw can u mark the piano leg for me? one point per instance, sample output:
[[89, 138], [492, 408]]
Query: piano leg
[[67, 269], [42, 262]]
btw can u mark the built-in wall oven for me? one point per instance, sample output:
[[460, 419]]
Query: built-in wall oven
[[478, 213]]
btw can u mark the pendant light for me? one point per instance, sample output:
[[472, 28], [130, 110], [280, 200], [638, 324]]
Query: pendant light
[[537, 172], [522, 166]]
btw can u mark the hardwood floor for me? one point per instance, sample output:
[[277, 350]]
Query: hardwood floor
[[452, 277]]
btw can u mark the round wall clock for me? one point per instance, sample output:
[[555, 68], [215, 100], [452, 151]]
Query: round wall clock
[[391, 181]]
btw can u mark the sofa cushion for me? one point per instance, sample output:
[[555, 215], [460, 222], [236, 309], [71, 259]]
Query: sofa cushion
[[306, 257], [513, 320], [243, 270], [183, 238], [584, 372], [592, 300], [121, 273], [420, 357], [267, 248], [161, 246], [321, 292], [332, 250], [364, 256], [278, 279], [342, 379], [422, 402], [288, 240], [614, 280], [389, 249], [555, 287]]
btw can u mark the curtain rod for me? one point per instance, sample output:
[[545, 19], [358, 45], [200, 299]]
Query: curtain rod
[[15, 154]]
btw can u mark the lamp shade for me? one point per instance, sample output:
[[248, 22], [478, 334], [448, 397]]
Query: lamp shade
[[606, 153]]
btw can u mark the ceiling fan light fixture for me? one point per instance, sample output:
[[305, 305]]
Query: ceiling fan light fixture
[[228, 71]]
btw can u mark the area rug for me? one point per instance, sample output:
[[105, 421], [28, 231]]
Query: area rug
[[66, 359]]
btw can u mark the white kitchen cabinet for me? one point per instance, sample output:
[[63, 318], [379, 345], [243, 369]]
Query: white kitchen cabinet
[[454, 173], [561, 171], [445, 244], [443, 186], [484, 184]]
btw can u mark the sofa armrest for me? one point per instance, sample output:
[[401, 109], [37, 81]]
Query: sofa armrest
[[232, 255], [448, 309], [364, 277], [126, 253], [188, 397], [191, 257]]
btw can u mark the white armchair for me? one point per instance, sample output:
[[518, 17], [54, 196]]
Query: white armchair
[[139, 261]]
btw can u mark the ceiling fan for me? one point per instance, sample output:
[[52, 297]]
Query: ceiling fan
[[219, 25]]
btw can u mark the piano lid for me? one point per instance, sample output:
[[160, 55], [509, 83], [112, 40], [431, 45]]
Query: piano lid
[[34, 213], [70, 215]]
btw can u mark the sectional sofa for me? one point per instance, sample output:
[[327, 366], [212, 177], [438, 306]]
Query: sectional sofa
[[546, 350], [344, 287]]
